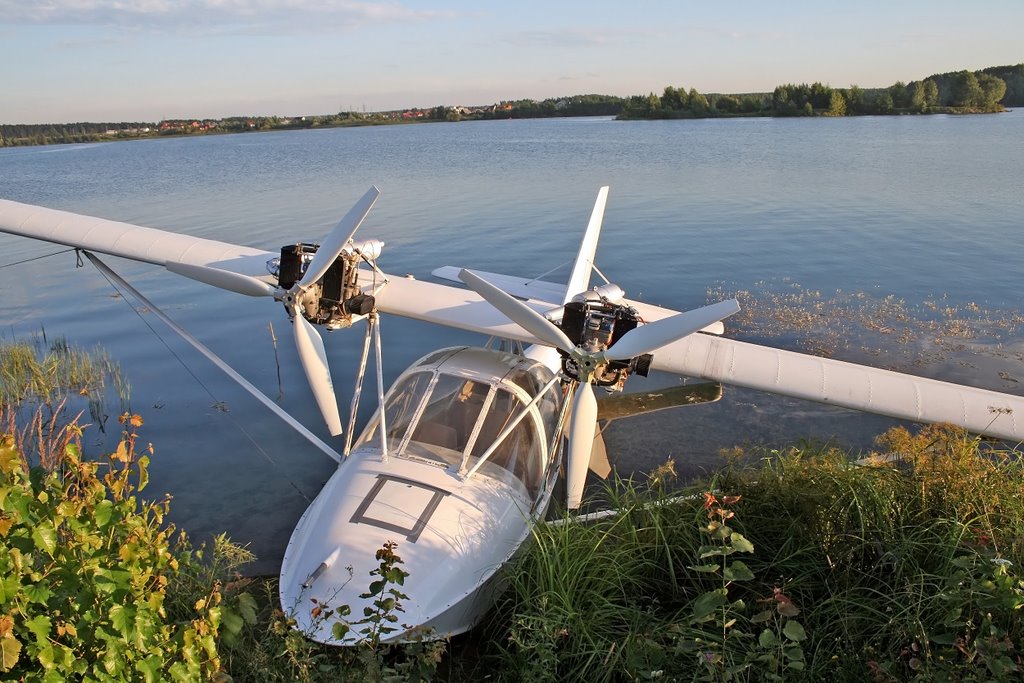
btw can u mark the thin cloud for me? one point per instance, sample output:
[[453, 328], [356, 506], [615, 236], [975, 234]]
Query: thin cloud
[[222, 16], [571, 38]]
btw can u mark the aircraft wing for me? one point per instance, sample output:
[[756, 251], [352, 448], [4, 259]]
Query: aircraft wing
[[431, 302], [844, 384], [149, 245]]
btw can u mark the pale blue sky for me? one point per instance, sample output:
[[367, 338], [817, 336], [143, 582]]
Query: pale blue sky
[[114, 60]]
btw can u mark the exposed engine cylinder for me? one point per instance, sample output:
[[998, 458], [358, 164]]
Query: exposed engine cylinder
[[594, 324], [336, 298]]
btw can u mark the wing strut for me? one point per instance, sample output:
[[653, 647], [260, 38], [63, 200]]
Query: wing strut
[[216, 360]]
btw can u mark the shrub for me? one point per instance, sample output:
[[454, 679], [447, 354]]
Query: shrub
[[85, 569]]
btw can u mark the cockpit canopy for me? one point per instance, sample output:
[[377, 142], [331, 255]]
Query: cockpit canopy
[[451, 406]]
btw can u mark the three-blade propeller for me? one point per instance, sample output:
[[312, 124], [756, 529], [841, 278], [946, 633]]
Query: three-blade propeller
[[308, 342], [636, 342]]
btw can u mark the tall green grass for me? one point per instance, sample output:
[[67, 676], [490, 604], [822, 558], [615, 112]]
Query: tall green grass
[[44, 385], [904, 568]]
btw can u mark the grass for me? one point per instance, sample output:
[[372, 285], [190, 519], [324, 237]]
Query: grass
[[57, 376], [907, 568]]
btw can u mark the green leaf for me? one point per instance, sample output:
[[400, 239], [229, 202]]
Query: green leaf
[[40, 628], [10, 650], [9, 588], [339, 630], [149, 668], [768, 639], [794, 631], [103, 511], [740, 544], [45, 536], [38, 593], [121, 618], [708, 603], [247, 607], [761, 617], [705, 568], [738, 571], [943, 638], [232, 622]]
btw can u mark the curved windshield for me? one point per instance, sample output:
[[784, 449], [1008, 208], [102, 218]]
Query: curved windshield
[[456, 420]]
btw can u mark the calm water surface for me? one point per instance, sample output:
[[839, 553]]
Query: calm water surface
[[919, 207]]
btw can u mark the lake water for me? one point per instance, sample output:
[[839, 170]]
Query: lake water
[[928, 209]]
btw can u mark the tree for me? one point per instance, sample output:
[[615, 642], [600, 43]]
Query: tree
[[836, 104], [900, 96], [966, 91], [992, 90], [917, 97], [727, 104], [673, 99], [856, 100], [820, 96], [698, 103]]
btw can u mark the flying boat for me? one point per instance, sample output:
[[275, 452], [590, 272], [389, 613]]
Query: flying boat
[[469, 446]]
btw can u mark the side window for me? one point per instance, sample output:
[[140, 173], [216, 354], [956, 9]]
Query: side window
[[399, 410]]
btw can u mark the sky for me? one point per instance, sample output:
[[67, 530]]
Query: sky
[[147, 60]]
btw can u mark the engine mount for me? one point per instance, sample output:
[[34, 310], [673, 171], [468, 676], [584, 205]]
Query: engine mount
[[336, 300], [594, 323]]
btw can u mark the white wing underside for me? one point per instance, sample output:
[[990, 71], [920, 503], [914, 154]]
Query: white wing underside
[[698, 355], [130, 241]]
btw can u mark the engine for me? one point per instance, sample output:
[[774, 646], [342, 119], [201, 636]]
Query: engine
[[594, 323], [336, 300]]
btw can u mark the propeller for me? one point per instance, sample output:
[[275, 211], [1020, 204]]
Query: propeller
[[636, 342], [308, 341]]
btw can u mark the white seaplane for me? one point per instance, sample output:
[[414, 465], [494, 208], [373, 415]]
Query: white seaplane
[[465, 449]]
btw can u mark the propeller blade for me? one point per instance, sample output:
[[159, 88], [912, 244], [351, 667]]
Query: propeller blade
[[224, 279], [338, 238], [627, 405], [599, 463], [648, 338], [581, 443], [579, 280], [314, 361], [518, 312]]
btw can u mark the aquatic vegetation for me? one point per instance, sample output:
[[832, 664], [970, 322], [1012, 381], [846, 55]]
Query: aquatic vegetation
[[58, 377], [901, 335]]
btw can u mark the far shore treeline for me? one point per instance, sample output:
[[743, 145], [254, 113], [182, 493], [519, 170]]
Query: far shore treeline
[[958, 92]]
